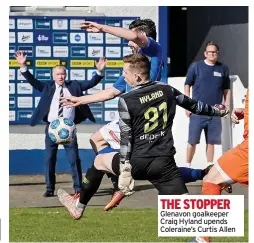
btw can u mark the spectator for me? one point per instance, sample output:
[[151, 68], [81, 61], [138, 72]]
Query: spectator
[[49, 108], [210, 83]]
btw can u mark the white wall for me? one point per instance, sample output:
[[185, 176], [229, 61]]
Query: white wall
[[180, 127]]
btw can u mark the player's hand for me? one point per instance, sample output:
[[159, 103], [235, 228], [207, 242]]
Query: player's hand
[[125, 180], [71, 101], [237, 115], [21, 58], [221, 110], [91, 26], [100, 65], [188, 113]]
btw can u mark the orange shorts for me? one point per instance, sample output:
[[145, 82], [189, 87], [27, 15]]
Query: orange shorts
[[234, 164]]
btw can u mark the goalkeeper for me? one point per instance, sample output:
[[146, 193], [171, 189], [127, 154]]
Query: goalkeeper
[[147, 146]]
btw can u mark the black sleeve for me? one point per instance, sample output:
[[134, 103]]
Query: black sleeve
[[39, 85], [226, 79], [125, 131], [196, 107]]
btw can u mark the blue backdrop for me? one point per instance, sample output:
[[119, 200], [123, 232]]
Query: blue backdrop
[[48, 41]]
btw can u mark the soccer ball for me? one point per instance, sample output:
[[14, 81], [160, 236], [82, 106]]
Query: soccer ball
[[62, 130]]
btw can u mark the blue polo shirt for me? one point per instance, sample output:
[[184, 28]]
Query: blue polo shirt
[[208, 81], [154, 52]]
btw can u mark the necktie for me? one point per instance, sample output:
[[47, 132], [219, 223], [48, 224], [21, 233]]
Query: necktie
[[60, 108]]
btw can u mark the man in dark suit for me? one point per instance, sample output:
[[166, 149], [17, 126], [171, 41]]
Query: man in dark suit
[[49, 108]]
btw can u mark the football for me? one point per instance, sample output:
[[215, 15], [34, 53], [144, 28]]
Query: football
[[62, 130]]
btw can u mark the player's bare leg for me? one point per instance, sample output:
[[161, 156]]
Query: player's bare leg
[[100, 145]]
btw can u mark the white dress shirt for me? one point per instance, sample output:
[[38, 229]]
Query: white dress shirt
[[54, 106]]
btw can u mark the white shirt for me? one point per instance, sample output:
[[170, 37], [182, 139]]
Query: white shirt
[[54, 106]]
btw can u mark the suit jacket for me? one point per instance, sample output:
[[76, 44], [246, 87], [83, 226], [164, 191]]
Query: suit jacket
[[48, 89]]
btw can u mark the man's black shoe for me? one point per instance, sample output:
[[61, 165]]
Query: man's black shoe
[[48, 194]]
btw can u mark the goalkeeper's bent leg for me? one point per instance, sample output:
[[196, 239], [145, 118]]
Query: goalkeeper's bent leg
[[90, 184]]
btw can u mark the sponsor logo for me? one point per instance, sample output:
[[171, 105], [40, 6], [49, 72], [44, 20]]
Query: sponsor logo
[[112, 75], [47, 63], [20, 76], [11, 88], [82, 63], [126, 23], [12, 102], [77, 74], [112, 103], [110, 116], [25, 37], [36, 101], [95, 89], [126, 51], [111, 39], [43, 74], [42, 37], [95, 38], [27, 50], [24, 88], [12, 116], [11, 24], [97, 115], [60, 51], [77, 51], [114, 64], [60, 38], [95, 51], [151, 137], [12, 38], [60, 24], [12, 50], [42, 24], [75, 24], [14, 63], [95, 106], [25, 24], [43, 51], [113, 51], [24, 115], [113, 23], [77, 38], [11, 74], [25, 102]]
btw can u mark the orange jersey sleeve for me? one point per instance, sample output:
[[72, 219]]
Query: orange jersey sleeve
[[246, 117]]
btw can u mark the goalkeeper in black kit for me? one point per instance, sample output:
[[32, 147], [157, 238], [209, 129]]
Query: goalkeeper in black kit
[[147, 146]]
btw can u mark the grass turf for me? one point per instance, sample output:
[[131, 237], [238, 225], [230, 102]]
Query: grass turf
[[119, 225]]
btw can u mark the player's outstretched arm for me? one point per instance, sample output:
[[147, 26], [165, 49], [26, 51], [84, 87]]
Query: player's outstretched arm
[[198, 107], [137, 37], [104, 95]]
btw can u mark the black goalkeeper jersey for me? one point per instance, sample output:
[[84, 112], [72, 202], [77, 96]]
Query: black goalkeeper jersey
[[146, 118]]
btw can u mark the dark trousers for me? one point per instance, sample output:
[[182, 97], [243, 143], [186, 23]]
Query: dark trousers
[[50, 162]]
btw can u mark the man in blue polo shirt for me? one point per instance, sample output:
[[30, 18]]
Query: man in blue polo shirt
[[210, 83]]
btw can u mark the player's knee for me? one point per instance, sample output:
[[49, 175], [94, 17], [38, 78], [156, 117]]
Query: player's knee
[[214, 176]]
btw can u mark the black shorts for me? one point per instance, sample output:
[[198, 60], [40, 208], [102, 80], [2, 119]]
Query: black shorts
[[162, 172]]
